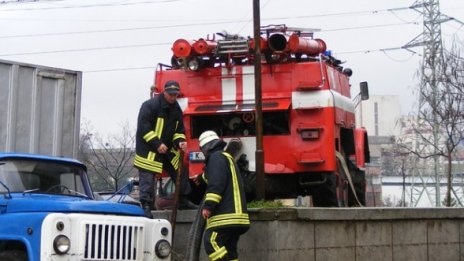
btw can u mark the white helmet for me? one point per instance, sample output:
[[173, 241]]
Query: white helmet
[[207, 136]]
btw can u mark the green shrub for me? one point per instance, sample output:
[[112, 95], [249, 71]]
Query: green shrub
[[264, 204]]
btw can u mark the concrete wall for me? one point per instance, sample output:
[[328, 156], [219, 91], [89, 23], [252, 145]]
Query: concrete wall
[[343, 234]]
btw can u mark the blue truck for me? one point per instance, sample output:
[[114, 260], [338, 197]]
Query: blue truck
[[48, 212]]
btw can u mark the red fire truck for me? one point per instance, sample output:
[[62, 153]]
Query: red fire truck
[[311, 144]]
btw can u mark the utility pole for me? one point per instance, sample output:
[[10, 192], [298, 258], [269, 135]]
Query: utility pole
[[260, 186]]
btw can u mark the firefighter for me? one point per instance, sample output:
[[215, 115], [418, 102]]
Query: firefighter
[[160, 135], [225, 207]]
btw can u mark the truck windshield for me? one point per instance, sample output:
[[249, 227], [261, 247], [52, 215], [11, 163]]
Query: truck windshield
[[33, 176]]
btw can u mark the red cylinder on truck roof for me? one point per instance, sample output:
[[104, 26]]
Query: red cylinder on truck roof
[[204, 47], [262, 44], [298, 44], [182, 48]]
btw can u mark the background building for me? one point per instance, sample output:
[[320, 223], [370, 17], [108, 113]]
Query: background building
[[380, 115]]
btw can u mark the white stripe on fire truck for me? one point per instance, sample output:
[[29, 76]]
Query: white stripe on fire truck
[[248, 84], [321, 99], [239, 85], [183, 102], [229, 86]]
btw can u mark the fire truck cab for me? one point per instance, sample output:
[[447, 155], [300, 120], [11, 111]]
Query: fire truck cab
[[311, 144]]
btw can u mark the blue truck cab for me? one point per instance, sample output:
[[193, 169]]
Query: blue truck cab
[[48, 212]]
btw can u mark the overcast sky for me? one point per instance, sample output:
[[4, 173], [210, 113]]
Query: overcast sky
[[117, 43]]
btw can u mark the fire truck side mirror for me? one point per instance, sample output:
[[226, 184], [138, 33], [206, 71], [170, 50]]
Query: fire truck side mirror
[[364, 91]]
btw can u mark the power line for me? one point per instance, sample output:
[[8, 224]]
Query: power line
[[378, 50], [86, 49], [25, 1], [181, 25], [154, 44], [219, 22], [89, 6], [120, 69], [369, 26], [117, 30]]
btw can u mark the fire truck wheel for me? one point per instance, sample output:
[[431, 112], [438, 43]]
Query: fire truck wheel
[[325, 195], [13, 255]]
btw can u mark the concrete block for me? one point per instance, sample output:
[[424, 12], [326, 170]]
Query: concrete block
[[461, 239], [443, 240], [409, 240], [291, 254], [410, 253], [369, 253], [416, 232], [443, 231], [335, 234], [373, 241], [335, 253], [374, 233], [250, 254], [286, 238], [335, 240], [272, 240], [443, 252], [258, 237]]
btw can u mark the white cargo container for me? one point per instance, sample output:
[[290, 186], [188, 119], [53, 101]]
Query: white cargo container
[[39, 109]]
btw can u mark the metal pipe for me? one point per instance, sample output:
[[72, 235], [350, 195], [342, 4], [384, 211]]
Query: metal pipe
[[278, 42]]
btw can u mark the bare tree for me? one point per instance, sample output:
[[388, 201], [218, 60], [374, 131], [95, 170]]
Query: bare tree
[[439, 128], [403, 163], [108, 158]]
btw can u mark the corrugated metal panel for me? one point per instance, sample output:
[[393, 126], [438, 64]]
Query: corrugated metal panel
[[39, 109]]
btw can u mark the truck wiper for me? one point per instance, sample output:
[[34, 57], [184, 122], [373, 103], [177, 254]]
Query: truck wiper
[[5, 186], [69, 190], [124, 191], [30, 190], [78, 193]]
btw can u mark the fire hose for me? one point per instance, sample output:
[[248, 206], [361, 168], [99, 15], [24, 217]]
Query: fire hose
[[348, 176], [195, 235], [196, 230], [177, 193]]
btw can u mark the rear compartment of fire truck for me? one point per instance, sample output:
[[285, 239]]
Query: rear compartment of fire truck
[[308, 115]]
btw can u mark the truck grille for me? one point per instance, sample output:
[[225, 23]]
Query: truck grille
[[113, 242]]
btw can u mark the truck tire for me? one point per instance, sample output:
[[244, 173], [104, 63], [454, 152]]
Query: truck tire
[[13, 255], [325, 195]]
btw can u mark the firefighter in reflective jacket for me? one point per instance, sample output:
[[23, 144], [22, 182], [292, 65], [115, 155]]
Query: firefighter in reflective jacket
[[160, 133], [225, 208]]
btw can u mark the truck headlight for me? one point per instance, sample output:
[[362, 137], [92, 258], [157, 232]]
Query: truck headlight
[[163, 249], [61, 244], [193, 64]]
